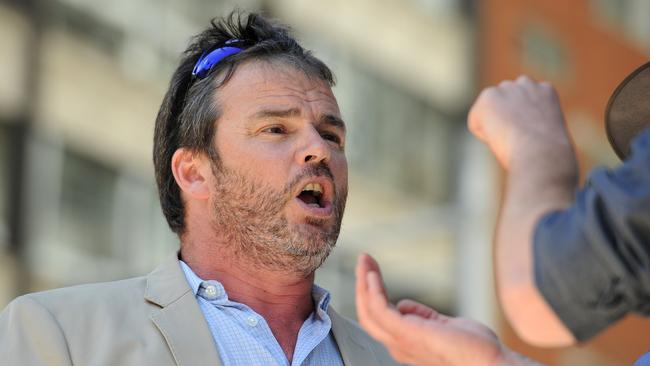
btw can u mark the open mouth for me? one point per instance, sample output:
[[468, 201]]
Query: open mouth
[[312, 195]]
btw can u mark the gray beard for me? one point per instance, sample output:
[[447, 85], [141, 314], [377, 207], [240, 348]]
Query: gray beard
[[248, 213]]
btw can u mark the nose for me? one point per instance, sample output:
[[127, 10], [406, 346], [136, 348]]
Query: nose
[[314, 149]]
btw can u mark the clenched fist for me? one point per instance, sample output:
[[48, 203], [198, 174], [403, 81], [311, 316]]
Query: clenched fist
[[519, 117]]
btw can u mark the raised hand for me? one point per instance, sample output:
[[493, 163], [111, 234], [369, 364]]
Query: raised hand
[[519, 116], [418, 335]]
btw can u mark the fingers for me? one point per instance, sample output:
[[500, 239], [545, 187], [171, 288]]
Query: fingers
[[525, 80], [495, 106], [384, 317], [524, 86], [376, 315], [368, 319], [361, 285], [376, 289], [364, 265], [408, 306], [373, 267], [408, 333], [477, 112]]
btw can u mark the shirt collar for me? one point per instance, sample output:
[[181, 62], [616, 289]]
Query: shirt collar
[[192, 279], [320, 296]]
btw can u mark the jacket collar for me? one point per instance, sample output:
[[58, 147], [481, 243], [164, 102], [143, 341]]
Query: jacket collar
[[186, 331], [179, 319], [166, 283]]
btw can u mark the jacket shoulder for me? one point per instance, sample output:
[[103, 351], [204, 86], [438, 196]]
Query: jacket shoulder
[[90, 294], [30, 335], [89, 304]]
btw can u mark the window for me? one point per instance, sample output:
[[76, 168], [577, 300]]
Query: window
[[87, 198], [90, 221], [400, 140]]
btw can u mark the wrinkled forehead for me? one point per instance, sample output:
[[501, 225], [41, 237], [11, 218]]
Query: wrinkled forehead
[[264, 83]]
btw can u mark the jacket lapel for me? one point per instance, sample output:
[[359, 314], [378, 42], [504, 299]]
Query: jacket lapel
[[180, 319], [352, 341]]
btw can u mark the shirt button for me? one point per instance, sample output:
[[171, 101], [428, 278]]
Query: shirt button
[[211, 291], [252, 321]]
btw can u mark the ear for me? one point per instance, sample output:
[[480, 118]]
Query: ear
[[192, 173]]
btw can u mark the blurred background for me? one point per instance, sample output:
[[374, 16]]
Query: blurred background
[[81, 82]]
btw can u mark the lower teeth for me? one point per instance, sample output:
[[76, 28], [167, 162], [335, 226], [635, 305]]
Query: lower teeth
[[313, 205]]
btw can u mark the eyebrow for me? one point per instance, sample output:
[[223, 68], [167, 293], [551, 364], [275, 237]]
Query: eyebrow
[[334, 121], [277, 113], [328, 119]]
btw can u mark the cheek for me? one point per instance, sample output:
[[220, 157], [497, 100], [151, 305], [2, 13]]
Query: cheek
[[253, 157], [265, 166], [339, 167]]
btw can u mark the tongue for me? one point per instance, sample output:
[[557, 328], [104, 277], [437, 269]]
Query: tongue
[[308, 198]]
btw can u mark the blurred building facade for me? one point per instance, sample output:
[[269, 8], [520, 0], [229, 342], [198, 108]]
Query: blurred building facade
[[585, 48]]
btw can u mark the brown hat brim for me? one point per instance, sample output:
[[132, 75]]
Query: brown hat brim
[[628, 110]]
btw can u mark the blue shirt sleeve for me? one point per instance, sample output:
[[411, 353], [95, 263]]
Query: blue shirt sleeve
[[592, 260]]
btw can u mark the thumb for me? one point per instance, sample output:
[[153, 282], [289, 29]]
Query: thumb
[[474, 124]]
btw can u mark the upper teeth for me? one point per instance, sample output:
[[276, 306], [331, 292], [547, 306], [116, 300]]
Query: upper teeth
[[314, 187]]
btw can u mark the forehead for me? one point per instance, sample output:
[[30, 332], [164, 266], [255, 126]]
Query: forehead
[[261, 85]]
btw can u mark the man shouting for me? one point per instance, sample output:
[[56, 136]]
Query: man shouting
[[249, 155]]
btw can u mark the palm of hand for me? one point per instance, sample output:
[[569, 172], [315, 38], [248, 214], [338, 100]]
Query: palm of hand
[[447, 340], [417, 334]]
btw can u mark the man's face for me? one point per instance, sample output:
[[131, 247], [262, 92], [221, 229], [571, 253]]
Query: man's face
[[281, 175]]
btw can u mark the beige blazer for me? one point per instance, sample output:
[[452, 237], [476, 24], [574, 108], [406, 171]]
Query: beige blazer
[[152, 320]]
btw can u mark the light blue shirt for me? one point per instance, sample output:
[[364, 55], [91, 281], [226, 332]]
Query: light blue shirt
[[244, 338]]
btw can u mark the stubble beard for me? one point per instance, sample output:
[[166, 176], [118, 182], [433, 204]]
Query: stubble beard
[[249, 215]]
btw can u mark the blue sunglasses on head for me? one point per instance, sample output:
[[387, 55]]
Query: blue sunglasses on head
[[208, 59]]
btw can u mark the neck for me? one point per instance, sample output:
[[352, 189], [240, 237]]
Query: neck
[[277, 296], [252, 286]]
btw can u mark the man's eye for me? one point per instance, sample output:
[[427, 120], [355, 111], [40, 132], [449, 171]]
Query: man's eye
[[331, 137], [274, 129]]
